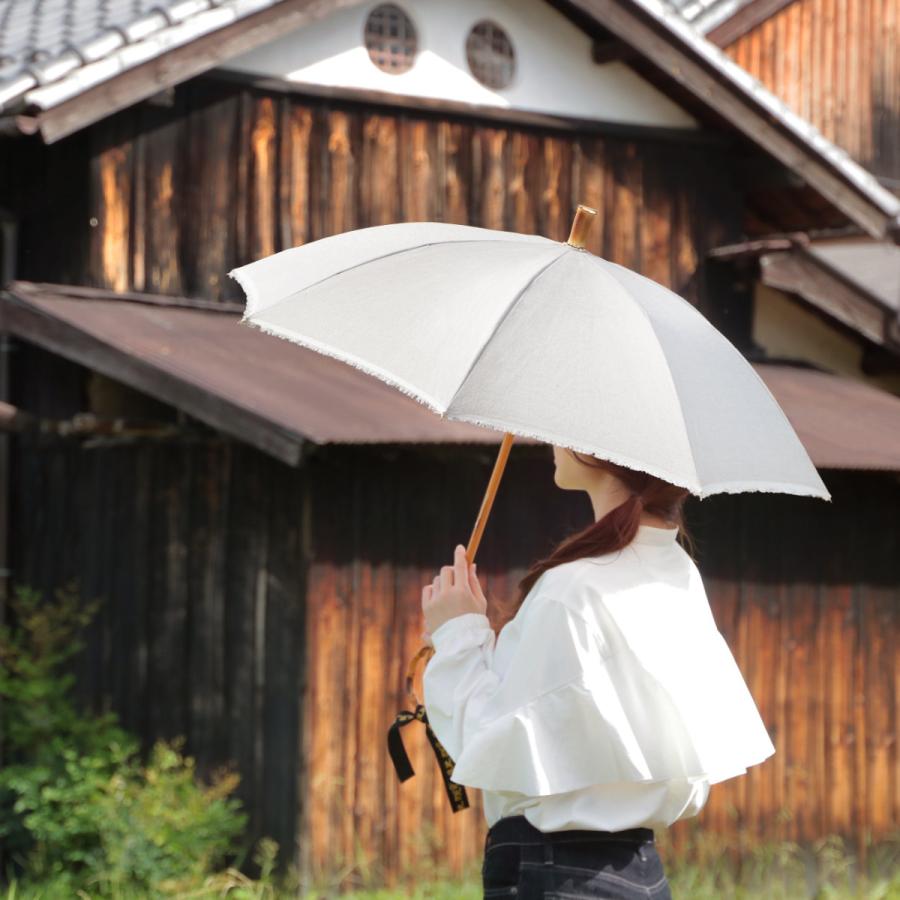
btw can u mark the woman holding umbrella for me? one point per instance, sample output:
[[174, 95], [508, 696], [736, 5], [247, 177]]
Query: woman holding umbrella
[[610, 702], [605, 708]]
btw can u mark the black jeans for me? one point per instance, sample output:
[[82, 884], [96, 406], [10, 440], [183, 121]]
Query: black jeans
[[523, 862]]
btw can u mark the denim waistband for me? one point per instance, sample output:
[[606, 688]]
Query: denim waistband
[[518, 828]]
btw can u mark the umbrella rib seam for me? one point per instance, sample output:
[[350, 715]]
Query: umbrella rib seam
[[662, 350], [717, 486], [367, 262], [499, 324]]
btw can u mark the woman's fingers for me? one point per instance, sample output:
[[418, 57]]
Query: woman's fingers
[[446, 578], [454, 591], [456, 575], [460, 566]]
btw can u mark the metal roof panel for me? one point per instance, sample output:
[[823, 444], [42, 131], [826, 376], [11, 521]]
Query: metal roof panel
[[274, 394]]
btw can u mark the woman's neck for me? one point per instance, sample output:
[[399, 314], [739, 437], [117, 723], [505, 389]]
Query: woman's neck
[[606, 498]]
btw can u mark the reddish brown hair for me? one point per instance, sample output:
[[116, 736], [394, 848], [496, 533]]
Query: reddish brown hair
[[613, 531]]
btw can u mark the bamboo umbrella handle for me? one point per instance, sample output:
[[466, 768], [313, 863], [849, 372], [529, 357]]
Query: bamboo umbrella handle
[[425, 652], [581, 224], [489, 494]]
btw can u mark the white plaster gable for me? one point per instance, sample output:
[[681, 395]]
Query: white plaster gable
[[554, 70]]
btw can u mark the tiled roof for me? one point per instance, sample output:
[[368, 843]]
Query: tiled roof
[[704, 15], [35, 31], [53, 49]]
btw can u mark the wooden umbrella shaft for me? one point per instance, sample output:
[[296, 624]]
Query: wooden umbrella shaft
[[581, 224], [456, 793], [489, 494], [425, 652]]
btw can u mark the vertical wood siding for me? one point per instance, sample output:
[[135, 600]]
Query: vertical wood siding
[[835, 63], [227, 176], [267, 614], [195, 551], [805, 595]]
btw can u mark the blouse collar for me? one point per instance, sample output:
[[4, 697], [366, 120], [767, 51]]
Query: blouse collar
[[650, 534]]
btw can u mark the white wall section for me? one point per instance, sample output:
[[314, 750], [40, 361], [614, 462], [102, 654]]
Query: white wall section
[[554, 70]]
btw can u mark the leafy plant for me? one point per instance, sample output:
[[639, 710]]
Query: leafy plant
[[77, 805]]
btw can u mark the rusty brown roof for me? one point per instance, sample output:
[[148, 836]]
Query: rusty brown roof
[[872, 265], [843, 423], [197, 356], [275, 395]]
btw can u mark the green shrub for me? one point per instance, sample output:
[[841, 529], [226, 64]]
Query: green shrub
[[77, 804]]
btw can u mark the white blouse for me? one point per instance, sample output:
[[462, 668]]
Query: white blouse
[[610, 701]]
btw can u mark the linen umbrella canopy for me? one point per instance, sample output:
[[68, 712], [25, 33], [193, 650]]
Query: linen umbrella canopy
[[538, 338]]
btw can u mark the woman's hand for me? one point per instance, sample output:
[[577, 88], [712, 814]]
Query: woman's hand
[[454, 592]]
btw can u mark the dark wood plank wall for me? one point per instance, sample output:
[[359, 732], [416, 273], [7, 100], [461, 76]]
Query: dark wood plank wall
[[267, 614], [208, 592], [47, 190], [194, 548], [835, 62], [178, 196]]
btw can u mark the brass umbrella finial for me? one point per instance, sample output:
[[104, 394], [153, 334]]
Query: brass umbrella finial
[[581, 224]]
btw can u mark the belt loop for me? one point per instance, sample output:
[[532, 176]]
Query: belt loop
[[548, 869]]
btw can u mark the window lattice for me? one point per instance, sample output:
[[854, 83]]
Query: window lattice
[[490, 54], [391, 39]]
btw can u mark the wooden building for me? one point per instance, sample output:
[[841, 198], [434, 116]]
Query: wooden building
[[835, 64], [833, 297], [260, 519]]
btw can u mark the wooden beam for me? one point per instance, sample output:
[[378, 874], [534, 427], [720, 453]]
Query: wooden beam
[[179, 64], [651, 39], [611, 50], [799, 273], [24, 321], [746, 249], [16, 125], [14, 419], [745, 19]]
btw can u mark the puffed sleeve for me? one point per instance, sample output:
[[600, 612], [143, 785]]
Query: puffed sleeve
[[504, 733]]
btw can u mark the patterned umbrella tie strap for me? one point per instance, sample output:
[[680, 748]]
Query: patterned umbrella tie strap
[[456, 793]]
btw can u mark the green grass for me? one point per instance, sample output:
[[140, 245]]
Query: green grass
[[709, 868], [827, 870]]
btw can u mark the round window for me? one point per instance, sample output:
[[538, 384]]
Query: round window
[[490, 54], [391, 39]]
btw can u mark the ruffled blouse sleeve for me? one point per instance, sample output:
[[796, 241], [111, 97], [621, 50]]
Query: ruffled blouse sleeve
[[508, 733], [582, 703]]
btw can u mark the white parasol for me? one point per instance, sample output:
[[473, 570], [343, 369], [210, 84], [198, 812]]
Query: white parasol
[[535, 337]]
